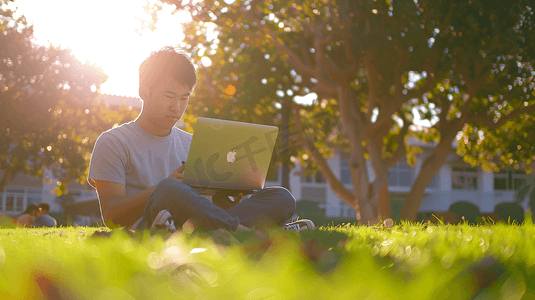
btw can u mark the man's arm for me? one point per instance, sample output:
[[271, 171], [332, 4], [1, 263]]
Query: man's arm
[[117, 207], [121, 209]]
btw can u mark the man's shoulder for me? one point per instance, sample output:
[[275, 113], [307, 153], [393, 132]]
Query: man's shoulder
[[49, 217], [121, 130], [181, 134], [46, 220], [117, 134]]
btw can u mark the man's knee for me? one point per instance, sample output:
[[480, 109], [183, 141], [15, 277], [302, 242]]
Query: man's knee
[[168, 182], [170, 186], [283, 197]]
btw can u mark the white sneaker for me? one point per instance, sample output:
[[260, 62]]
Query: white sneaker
[[163, 221], [297, 226]]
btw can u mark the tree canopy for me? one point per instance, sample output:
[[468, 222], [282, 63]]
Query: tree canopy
[[50, 116], [378, 67]]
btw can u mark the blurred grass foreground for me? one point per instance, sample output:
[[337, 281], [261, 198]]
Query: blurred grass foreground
[[403, 261]]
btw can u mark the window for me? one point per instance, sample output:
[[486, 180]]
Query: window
[[14, 199], [36, 200], [345, 172], [318, 178], [500, 180], [18, 203], [464, 178], [400, 175], [34, 196], [519, 179], [10, 200], [509, 180]]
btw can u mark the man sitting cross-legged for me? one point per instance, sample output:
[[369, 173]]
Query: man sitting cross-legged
[[137, 170]]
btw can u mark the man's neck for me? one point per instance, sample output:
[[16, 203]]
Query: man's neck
[[150, 128]]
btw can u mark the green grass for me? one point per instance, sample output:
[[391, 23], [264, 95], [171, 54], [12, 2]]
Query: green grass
[[407, 261]]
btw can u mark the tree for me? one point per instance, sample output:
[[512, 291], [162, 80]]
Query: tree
[[50, 114], [486, 69], [381, 65]]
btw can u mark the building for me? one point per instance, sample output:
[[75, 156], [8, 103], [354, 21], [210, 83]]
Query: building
[[456, 181]]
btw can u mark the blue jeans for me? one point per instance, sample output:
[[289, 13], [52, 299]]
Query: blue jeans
[[269, 206]]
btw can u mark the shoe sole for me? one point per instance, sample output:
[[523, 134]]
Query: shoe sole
[[309, 226], [163, 215]]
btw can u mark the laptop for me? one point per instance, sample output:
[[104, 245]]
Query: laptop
[[229, 156]]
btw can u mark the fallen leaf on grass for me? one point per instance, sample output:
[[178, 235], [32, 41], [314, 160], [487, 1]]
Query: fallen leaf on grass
[[470, 281], [341, 243], [47, 287], [107, 234], [257, 244], [101, 233], [312, 251]]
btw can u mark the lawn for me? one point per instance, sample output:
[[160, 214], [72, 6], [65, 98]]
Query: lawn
[[406, 261]]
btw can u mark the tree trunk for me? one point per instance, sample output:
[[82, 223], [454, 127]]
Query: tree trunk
[[334, 182], [430, 167], [352, 119], [384, 210], [285, 177], [368, 212]]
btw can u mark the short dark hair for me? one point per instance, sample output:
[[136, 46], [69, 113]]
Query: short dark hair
[[168, 61], [44, 206]]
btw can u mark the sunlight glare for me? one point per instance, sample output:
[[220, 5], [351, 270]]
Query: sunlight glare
[[104, 33], [308, 99], [206, 61]]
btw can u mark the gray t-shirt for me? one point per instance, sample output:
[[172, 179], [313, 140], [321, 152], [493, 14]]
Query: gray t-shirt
[[131, 156]]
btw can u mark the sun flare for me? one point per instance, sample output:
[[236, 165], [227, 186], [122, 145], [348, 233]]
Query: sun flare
[[106, 33]]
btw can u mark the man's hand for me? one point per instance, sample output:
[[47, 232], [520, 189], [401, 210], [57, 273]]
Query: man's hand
[[222, 200], [179, 173]]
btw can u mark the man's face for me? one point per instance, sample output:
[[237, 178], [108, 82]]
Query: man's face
[[166, 102], [43, 212]]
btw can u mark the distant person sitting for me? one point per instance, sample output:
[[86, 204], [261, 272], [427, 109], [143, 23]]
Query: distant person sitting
[[28, 216], [44, 219]]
